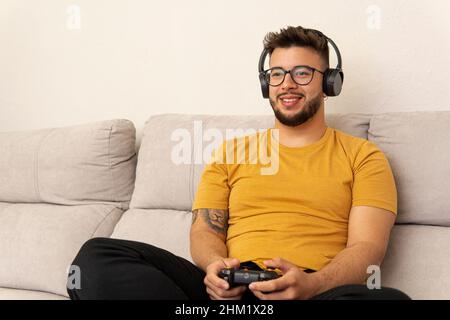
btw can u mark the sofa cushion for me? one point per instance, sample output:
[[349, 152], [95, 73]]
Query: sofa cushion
[[39, 241], [417, 145], [162, 182], [417, 261], [89, 163], [166, 229]]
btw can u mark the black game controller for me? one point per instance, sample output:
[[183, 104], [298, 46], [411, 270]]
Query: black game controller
[[245, 276]]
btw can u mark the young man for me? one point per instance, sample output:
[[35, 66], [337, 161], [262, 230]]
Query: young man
[[321, 220]]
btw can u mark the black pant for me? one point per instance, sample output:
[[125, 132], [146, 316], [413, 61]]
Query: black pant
[[122, 269]]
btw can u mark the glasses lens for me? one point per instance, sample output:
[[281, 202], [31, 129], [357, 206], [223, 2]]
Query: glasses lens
[[302, 75], [275, 76]]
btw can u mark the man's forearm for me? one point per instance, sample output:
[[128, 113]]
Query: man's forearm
[[206, 247], [348, 267], [208, 234]]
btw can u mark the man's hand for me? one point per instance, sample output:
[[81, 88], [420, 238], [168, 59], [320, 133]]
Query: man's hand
[[294, 284], [216, 287]]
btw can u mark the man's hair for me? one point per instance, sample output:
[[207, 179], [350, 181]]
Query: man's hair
[[298, 37]]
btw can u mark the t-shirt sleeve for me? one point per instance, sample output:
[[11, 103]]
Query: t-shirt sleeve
[[373, 183], [213, 190]]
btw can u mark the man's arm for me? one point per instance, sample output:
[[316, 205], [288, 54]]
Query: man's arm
[[368, 236], [208, 236], [209, 252]]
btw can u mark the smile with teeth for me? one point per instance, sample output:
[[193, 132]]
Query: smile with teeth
[[290, 101]]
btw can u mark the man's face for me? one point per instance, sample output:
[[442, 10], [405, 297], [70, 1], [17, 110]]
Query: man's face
[[294, 104]]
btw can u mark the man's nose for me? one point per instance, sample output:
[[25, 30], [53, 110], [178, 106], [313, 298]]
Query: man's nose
[[288, 83]]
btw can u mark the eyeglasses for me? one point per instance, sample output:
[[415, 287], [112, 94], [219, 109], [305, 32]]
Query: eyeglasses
[[302, 75]]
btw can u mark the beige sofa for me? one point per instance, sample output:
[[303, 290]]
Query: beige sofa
[[60, 187]]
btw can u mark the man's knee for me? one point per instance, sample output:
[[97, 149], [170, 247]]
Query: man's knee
[[89, 250], [91, 265]]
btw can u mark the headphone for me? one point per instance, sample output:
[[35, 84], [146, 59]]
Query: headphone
[[332, 78]]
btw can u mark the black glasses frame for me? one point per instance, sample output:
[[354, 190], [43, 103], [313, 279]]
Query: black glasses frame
[[289, 71]]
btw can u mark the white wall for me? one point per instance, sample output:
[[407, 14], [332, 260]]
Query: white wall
[[133, 58]]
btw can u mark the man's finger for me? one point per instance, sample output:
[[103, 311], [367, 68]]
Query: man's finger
[[230, 293], [232, 263], [212, 286], [279, 295], [212, 294], [223, 295], [279, 263], [269, 285], [236, 291], [217, 282]]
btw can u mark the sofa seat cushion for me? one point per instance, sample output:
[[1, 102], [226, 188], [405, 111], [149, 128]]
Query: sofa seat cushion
[[166, 229], [39, 241]]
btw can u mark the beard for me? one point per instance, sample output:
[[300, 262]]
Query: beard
[[308, 111]]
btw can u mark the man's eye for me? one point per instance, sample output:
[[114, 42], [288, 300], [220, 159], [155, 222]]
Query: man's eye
[[302, 73], [276, 74]]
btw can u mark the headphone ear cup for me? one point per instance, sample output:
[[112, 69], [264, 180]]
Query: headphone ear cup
[[264, 85], [332, 82]]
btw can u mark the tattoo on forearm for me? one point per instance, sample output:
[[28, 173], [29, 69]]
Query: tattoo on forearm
[[217, 219]]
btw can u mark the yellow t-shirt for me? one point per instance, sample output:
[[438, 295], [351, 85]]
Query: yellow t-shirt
[[299, 212]]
